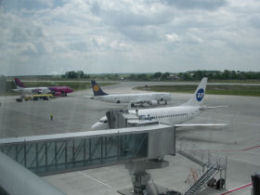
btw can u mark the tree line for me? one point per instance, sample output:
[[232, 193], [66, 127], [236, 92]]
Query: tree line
[[219, 75], [167, 76], [197, 75], [75, 75]]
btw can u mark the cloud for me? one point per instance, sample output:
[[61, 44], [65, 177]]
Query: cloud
[[172, 37], [196, 4], [16, 5], [128, 36]]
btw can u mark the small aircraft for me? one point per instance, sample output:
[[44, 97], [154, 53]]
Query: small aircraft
[[132, 98], [174, 116], [55, 90]]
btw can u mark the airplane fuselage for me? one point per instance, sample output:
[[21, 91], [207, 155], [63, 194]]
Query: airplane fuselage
[[30, 90], [137, 97], [170, 115]]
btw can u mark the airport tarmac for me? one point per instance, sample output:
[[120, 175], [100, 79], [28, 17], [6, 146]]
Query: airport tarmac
[[240, 141]]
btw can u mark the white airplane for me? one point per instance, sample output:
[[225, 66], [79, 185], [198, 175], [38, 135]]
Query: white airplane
[[132, 98], [20, 88], [174, 116]]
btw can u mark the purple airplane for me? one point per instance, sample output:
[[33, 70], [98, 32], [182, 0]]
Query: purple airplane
[[55, 90]]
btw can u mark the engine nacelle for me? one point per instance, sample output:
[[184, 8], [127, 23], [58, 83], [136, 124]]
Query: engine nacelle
[[57, 93], [153, 102]]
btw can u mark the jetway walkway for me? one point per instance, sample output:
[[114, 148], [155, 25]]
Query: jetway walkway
[[48, 154]]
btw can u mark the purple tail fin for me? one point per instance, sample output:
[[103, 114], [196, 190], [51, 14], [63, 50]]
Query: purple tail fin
[[18, 83]]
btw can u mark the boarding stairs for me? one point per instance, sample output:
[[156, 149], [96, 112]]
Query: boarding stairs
[[211, 171]]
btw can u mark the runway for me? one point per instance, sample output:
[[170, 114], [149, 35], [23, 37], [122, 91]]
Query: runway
[[239, 141]]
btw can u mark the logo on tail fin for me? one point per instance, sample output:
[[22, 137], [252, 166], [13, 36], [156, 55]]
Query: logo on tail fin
[[200, 94], [96, 88]]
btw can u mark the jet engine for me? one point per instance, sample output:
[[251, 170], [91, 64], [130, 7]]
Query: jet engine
[[56, 93], [153, 102]]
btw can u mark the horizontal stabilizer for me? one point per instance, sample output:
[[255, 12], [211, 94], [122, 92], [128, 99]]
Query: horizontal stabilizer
[[202, 125]]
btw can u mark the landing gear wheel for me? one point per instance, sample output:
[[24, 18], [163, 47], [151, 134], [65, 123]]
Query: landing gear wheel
[[220, 184], [63, 93], [212, 182]]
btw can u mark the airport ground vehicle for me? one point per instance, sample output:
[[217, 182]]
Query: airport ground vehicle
[[35, 97]]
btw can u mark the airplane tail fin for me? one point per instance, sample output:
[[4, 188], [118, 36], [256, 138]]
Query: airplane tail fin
[[198, 97], [18, 83], [97, 89]]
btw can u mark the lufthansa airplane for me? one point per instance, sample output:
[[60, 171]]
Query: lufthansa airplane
[[132, 98], [174, 116]]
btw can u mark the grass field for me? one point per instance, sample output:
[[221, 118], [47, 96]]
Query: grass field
[[211, 89], [236, 81]]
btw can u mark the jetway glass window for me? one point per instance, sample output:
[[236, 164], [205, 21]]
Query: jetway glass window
[[111, 147], [55, 155]]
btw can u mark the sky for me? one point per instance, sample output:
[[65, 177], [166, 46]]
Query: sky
[[40, 37]]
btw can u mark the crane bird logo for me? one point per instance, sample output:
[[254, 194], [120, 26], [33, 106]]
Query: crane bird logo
[[96, 88], [200, 94]]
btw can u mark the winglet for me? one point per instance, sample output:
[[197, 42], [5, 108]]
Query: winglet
[[97, 91]]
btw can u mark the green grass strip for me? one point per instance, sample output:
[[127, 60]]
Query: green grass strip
[[211, 89]]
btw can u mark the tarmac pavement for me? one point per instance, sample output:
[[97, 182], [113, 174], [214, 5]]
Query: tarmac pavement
[[240, 141]]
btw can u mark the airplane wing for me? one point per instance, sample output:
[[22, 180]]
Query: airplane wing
[[201, 125], [212, 107]]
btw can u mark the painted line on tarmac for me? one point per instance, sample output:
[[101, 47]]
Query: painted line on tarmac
[[251, 148], [237, 189], [241, 150], [96, 180], [234, 150]]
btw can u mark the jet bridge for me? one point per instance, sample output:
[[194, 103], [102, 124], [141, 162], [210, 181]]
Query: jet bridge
[[139, 144], [48, 154], [122, 118]]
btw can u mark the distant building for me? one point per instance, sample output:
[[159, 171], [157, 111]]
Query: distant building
[[174, 76]]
